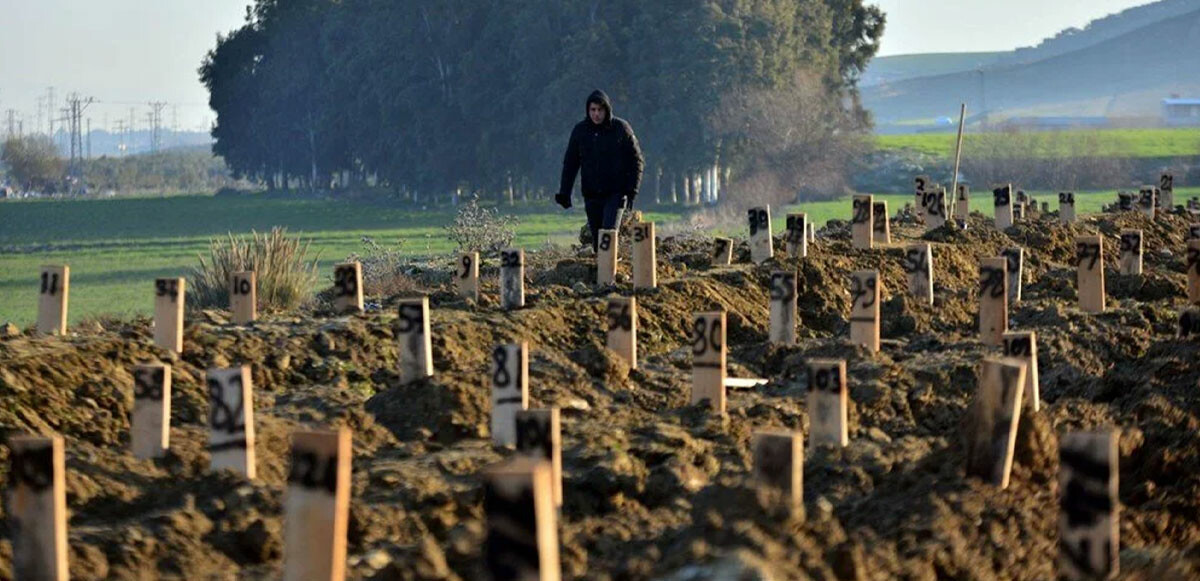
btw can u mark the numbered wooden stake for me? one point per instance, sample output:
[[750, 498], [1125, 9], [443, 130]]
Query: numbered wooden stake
[[935, 209], [812, 233], [828, 401], [1126, 201], [622, 328], [993, 300], [539, 436], [761, 245], [779, 467], [522, 532], [1089, 258], [317, 506], [645, 258], [1023, 345], [168, 313], [920, 186], [1018, 212], [415, 343], [918, 264], [722, 251], [881, 229], [993, 420], [861, 221], [466, 276], [1088, 507], [1147, 200], [1131, 252], [243, 297], [1166, 191], [150, 423], [708, 359], [606, 257], [52, 301], [864, 309], [962, 203], [512, 279], [231, 420], [37, 508], [1189, 323], [348, 288], [1066, 207], [1002, 201], [1193, 271], [1015, 268], [510, 390], [797, 235], [783, 317]]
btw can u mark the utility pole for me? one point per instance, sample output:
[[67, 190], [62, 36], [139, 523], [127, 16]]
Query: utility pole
[[50, 108], [89, 138], [41, 104], [12, 123], [75, 107], [121, 132], [155, 118]]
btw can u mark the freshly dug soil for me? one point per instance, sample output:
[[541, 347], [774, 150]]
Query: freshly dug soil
[[654, 488]]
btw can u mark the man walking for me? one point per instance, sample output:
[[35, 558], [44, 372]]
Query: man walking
[[607, 151]]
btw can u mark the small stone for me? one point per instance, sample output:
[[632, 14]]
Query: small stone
[[577, 404], [377, 559], [9, 330], [580, 288], [878, 435]]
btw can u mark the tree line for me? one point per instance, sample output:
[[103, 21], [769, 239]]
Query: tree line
[[437, 98]]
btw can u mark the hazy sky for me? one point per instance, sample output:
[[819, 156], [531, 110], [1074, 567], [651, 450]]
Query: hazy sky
[[126, 53]]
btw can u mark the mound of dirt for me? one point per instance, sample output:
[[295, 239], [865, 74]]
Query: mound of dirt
[[654, 487]]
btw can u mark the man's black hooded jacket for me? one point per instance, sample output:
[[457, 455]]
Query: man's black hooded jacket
[[608, 155]]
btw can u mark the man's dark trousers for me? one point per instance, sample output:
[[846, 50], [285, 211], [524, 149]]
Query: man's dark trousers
[[603, 213]]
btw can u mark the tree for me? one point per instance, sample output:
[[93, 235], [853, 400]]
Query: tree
[[33, 162]]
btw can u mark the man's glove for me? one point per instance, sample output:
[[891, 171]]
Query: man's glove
[[563, 200]]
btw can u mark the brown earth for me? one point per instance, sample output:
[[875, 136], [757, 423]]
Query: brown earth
[[654, 487]]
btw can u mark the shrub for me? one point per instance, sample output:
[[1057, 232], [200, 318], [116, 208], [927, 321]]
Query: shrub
[[285, 276], [483, 230], [384, 270]]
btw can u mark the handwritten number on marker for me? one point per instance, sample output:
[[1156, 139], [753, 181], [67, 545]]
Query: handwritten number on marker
[[864, 287], [783, 286], [862, 209], [1066, 198], [510, 259], [167, 287], [312, 471], [345, 281], [241, 286], [501, 378], [33, 468], [147, 384], [705, 336], [1131, 243], [50, 283], [411, 319], [915, 261], [619, 317], [221, 416], [1085, 251], [1002, 196], [991, 282]]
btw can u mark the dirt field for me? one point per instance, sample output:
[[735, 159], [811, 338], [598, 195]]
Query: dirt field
[[654, 488]]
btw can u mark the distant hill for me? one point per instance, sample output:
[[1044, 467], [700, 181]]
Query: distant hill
[[1123, 75]]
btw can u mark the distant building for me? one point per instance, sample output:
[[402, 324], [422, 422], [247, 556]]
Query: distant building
[[1179, 112]]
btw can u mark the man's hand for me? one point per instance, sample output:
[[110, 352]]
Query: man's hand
[[629, 201], [563, 200]]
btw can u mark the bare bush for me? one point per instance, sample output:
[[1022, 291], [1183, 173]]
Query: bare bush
[[1044, 160], [484, 230], [285, 277], [385, 271]]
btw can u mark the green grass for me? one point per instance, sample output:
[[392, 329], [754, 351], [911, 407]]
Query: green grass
[[1132, 143], [117, 247]]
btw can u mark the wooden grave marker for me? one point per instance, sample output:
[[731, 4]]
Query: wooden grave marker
[[348, 287], [761, 245], [1147, 197], [539, 436], [881, 229], [797, 235], [1193, 271], [606, 257], [1126, 201], [708, 359], [935, 208], [828, 402], [778, 469], [1002, 202], [150, 422], [962, 204], [414, 341], [1015, 269], [1023, 345], [722, 252], [1018, 213], [168, 313], [993, 300], [1088, 506], [1131, 252], [243, 297], [920, 186], [231, 420], [317, 506], [993, 420], [466, 278], [861, 221], [1166, 191], [512, 279], [918, 264], [521, 542], [645, 257], [622, 328], [1089, 259], [52, 300], [864, 309], [783, 315], [510, 390], [812, 232], [1066, 207], [37, 508]]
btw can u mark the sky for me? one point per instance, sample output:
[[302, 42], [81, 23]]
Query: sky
[[128, 53]]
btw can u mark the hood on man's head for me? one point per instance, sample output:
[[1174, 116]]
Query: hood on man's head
[[600, 98]]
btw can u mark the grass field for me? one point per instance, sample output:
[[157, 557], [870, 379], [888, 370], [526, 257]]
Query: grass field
[[1133, 143], [115, 248]]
